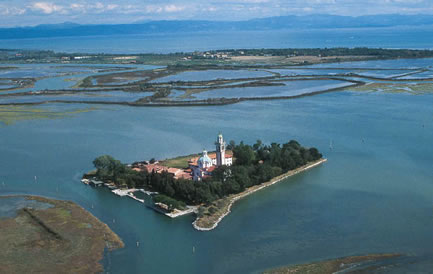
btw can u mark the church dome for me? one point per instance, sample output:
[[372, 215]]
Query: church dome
[[204, 160]]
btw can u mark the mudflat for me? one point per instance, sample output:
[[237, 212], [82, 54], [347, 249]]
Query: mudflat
[[58, 237]]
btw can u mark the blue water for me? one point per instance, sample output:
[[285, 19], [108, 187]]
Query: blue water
[[395, 37], [289, 88], [63, 76], [208, 75], [425, 74], [373, 195], [107, 96]]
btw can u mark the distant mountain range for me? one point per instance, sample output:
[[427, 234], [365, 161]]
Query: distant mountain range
[[174, 26]]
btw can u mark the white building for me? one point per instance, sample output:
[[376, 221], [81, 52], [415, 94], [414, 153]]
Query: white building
[[203, 166]]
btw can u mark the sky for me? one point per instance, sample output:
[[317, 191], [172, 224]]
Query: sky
[[27, 12]]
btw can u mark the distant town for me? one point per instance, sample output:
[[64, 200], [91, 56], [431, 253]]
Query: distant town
[[295, 56]]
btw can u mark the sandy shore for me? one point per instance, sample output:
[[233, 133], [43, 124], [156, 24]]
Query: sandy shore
[[211, 222]]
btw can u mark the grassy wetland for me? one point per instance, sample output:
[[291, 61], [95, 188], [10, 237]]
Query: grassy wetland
[[41, 235], [208, 78], [12, 114]]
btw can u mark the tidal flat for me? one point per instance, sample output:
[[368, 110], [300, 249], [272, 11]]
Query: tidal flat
[[41, 235], [204, 84], [10, 114]]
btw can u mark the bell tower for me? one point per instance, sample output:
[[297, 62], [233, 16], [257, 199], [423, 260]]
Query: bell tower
[[220, 151]]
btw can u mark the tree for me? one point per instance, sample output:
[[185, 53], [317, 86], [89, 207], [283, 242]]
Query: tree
[[231, 186], [294, 144], [221, 173], [241, 176], [231, 145], [244, 154], [264, 173], [258, 145], [108, 167], [202, 193], [315, 153], [216, 189]]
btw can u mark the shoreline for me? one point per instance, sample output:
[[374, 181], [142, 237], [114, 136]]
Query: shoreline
[[252, 190]]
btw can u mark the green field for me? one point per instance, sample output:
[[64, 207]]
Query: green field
[[178, 162]]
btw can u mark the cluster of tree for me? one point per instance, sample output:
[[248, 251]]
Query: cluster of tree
[[112, 170], [253, 165], [259, 163]]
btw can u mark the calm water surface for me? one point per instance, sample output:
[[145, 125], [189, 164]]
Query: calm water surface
[[289, 88], [373, 195], [395, 37]]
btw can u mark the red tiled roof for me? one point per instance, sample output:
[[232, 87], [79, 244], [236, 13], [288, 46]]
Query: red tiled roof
[[184, 176], [212, 155], [173, 170], [178, 173]]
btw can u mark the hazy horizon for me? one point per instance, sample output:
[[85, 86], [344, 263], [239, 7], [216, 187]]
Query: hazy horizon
[[31, 13]]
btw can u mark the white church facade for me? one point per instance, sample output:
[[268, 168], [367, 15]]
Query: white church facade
[[203, 166]]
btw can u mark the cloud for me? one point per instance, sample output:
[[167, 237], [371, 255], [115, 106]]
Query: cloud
[[150, 9], [46, 7], [11, 11], [77, 6], [173, 8], [112, 6], [115, 11]]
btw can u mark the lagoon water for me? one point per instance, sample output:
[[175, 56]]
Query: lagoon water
[[288, 88], [374, 195], [392, 37]]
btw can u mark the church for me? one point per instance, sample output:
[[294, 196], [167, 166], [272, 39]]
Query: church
[[203, 166]]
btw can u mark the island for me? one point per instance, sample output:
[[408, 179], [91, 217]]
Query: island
[[41, 235], [207, 184]]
